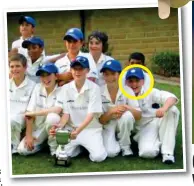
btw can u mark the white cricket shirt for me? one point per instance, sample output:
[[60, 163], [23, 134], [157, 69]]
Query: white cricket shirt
[[63, 65], [20, 96], [79, 104], [156, 96], [40, 100], [120, 99], [103, 58]]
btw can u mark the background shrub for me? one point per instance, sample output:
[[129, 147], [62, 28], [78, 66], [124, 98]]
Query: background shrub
[[166, 63]]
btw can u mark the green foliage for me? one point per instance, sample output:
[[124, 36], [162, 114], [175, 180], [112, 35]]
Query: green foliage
[[167, 63]]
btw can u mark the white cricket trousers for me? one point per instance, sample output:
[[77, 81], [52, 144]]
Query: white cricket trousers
[[123, 127], [91, 140], [17, 124], [40, 133], [159, 133]]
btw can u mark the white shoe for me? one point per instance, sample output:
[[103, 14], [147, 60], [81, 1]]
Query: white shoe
[[127, 152], [14, 149], [168, 159]]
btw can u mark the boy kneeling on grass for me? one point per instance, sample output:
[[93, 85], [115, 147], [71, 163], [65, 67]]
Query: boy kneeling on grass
[[20, 89], [81, 104], [157, 127], [120, 113], [40, 110]]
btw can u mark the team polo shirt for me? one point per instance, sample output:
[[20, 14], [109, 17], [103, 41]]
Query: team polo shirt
[[103, 58], [33, 67], [79, 104], [20, 95], [156, 96], [63, 65], [146, 80], [120, 99], [40, 100]]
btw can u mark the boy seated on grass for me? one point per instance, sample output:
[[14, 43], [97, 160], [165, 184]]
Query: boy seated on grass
[[40, 111], [20, 90], [119, 112], [157, 127], [81, 104]]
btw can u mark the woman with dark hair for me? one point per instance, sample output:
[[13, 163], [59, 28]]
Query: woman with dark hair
[[98, 46]]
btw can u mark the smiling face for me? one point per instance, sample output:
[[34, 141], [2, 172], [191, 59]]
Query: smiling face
[[79, 73], [34, 51], [48, 80], [26, 30], [73, 46], [135, 84], [95, 46], [17, 70], [111, 77]]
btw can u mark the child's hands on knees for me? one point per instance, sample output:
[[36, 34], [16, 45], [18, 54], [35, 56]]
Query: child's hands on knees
[[160, 112]]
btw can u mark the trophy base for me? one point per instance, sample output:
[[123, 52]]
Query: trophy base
[[63, 162]]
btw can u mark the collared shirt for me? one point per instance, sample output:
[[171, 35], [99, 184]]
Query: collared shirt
[[156, 96], [33, 67], [120, 99], [40, 100], [63, 65], [103, 58], [146, 80], [20, 95], [79, 104]]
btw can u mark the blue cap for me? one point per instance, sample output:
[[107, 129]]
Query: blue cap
[[135, 72], [74, 33], [112, 65], [33, 41], [48, 67], [80, 60], [27, 19]]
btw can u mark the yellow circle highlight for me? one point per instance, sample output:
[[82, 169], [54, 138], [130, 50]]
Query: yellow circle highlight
[[141, 96]]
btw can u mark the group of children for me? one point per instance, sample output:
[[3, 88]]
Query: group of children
[[79, 92]]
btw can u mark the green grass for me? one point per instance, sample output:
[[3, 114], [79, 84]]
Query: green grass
[[42, 163]]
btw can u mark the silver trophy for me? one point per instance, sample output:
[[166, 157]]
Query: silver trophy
[[62, 138]]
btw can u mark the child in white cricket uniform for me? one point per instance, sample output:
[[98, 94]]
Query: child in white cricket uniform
[[157, 128], [80, 102], [120, 113], [98, 46], [27, 29], [73, 41], [40, 110], [20, 89]]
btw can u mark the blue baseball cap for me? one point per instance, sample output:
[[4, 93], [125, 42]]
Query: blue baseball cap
[[48, 67], [33, 41], [135, 72], [74, 33], [112, 65], [80, 60], [28, 20]]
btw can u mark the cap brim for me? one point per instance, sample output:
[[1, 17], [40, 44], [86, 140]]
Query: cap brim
[[108, 68], [26, 43], [133, 76], [71, 36], [40, 71], [78, 64]]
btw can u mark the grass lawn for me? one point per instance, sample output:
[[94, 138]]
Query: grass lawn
[[42, 163]]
